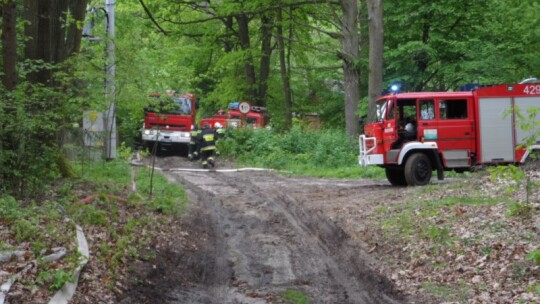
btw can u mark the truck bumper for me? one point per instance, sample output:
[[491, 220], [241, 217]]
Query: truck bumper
[[166, 137], [372, 159], [366, 146]]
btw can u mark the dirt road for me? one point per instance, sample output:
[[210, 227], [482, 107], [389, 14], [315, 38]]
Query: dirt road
[[257, 237]]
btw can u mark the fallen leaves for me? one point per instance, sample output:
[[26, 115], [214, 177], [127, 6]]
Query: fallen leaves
[[469, 250]]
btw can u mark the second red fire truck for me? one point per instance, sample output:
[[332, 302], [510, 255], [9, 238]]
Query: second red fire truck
[[168, 120], [256, 117], [416, 133]]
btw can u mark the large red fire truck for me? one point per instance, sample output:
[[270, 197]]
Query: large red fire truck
[[169, 119], [256, 117], [416, 133]]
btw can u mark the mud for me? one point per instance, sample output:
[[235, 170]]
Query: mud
[[249, 237]]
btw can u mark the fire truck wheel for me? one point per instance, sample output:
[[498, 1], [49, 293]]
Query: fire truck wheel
[[396, 176], [418, 170]]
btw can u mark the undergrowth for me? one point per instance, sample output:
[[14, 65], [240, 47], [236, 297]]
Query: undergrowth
[[320, 153], [100, 199]]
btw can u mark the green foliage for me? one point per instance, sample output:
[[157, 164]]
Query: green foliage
[[124, 152], [108, 177], [25, 221], [511, 173], [437, 233], [24, 230], [55, 279], [438, 45], [31, 117], [520, 209], [318, 152], [167, 198], [295, 297], [529, 123], [534, 256], [89, 215]]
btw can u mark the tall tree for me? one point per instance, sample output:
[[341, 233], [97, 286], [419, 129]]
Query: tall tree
[[266, 53], [245, 43], [376, 46], [9, 43], [47, 37], [350, 56], [284, 69]]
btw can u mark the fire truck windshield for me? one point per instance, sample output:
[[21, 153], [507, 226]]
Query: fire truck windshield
[[183, 106], [382, 107]]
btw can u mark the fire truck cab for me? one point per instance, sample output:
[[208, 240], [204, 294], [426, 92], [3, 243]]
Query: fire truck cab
[[416, 133]]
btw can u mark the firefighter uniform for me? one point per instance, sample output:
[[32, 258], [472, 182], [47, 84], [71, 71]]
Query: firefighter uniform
[[207, 143], [220, 131], [194, 143]]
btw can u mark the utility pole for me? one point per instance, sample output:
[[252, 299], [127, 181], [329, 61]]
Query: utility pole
[[110, 88]]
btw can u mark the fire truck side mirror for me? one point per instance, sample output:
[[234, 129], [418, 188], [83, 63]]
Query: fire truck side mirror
[[197, 104]]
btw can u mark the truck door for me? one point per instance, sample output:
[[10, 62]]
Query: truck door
[[427, 124], [456, 136], [390, 127]]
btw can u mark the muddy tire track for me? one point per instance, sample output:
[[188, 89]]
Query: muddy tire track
[[254, 235]]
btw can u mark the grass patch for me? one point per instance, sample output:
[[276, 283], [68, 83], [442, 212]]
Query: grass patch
[[166, 198], [295, 297], [38, 227], [451, 293], [414, 219]]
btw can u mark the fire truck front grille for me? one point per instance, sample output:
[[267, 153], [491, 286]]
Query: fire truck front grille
[[165, 127]]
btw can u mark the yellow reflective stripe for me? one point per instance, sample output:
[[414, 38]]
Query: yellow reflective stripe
[[208, 137]]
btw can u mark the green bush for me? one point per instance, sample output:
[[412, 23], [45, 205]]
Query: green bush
[[327, 152], [31, 120]]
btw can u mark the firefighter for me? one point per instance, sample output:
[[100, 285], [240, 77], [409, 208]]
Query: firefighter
[[194, 143], [219, 131], [207, 143]]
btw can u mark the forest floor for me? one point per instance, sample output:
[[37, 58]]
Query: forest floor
[[255, 237], [265, 237]]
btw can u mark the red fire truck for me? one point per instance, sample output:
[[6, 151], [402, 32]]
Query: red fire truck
[[257, 117], [416, 133], [169, 119]]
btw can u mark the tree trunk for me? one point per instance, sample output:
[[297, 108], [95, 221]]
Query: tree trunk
[[46, 32], [74, 33], [228, 43], [376, 46], [350, 56], [266, 50], [243, 34], [283, 70], [9, 43], [39, 44]]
